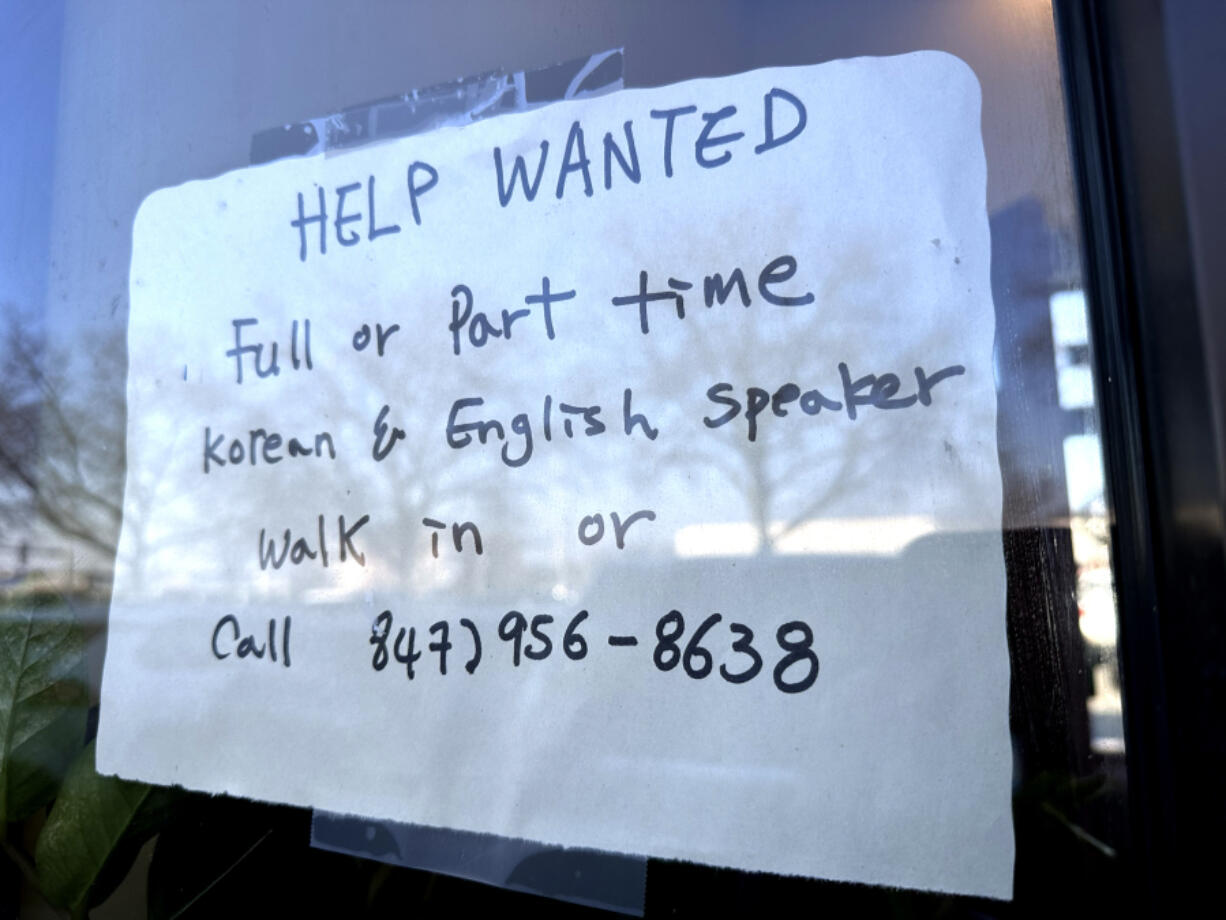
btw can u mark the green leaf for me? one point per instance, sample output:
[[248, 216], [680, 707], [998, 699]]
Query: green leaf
[[43, 701], [93, 833]]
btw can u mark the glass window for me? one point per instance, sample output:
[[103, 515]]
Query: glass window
[[107, 103]]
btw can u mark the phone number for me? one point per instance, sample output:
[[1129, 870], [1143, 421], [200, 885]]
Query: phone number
[[794, 669]]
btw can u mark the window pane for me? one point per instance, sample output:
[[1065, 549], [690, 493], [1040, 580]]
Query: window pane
[[114, 103]]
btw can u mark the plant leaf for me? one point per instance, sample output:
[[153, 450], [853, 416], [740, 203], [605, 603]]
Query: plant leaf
[[93, 832], [43, 700]]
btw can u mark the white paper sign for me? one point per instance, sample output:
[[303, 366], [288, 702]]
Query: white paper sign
[[621, 474]]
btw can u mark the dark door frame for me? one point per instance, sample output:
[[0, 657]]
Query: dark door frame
[[1159, 416]]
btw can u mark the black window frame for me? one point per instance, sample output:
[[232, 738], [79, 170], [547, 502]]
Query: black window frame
[[1159, 413]]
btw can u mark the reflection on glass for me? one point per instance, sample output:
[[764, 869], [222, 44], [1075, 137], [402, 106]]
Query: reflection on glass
[[62, 419], [1088, 520]]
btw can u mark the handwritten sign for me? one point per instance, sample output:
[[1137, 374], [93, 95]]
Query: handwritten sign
[[621, 474]]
